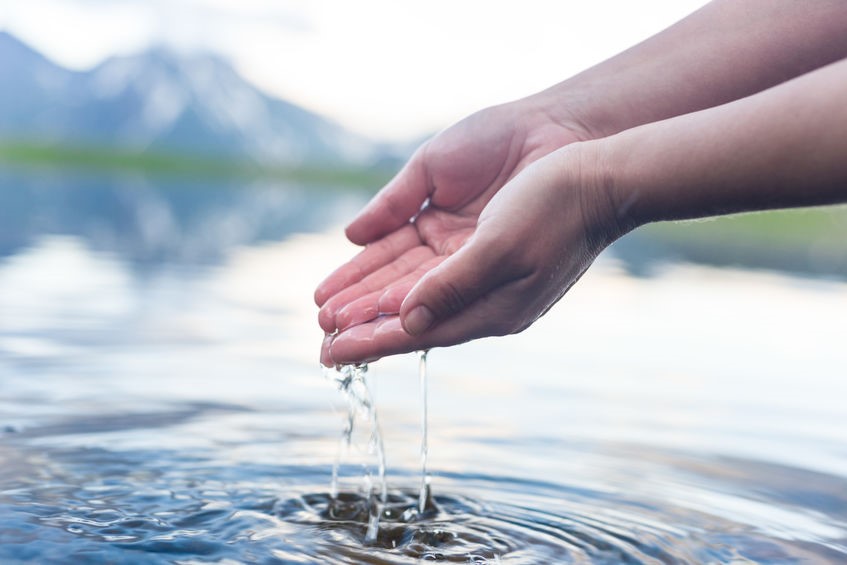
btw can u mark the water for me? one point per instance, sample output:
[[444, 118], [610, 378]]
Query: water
[[352, 383], [388, 521], [423, 495], [161, 401]]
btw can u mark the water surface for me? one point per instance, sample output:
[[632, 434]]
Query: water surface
[[162, 401]]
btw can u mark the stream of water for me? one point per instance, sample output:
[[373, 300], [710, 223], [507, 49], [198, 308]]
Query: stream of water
[[370, 505]]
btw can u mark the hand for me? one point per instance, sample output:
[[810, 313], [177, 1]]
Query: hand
[[456, 174], [532, 241]]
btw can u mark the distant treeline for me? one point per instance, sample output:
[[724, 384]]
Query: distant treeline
[[159, 163], [810, 241]]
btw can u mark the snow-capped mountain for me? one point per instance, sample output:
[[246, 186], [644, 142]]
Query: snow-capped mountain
[[165, 101]]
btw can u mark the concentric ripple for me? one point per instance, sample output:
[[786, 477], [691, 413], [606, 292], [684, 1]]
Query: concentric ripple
[[460, 529]]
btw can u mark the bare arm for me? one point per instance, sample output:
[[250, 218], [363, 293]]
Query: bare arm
[[786, 146], [727, 50]]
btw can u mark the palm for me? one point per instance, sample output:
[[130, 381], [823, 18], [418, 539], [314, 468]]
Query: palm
[[456, 174]]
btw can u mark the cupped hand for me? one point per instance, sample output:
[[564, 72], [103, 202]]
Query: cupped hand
[[431, 208], [530, 243]]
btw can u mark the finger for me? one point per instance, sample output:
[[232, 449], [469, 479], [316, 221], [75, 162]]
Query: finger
[[371, 258], [482, 264], [361, 310], [392, 299], [367, 342], [384, 300], [326, 360], [384, 336], [397, 203], [376, 281]]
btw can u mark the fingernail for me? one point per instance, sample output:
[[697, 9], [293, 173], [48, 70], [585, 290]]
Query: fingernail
[[418, 320]]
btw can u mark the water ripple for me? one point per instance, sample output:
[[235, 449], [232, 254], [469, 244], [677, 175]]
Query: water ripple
[[184, 512]]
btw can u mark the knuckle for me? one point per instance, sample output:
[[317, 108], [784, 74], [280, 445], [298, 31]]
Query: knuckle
[[450, 299]]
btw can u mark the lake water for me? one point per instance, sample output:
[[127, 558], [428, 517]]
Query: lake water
[[161, 400]]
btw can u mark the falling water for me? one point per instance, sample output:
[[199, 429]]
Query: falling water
[[424, 493], [351, 381]]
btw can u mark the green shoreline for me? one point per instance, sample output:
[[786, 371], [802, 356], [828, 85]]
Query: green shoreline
[[158, 163]]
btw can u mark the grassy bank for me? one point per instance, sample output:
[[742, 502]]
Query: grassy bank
[[155, 163], [778, 227], [806, 240]]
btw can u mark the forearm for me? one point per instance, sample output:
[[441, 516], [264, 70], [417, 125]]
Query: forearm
[[727, 50], [784, 147]]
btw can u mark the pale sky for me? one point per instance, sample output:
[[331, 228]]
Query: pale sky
[[391, 69]]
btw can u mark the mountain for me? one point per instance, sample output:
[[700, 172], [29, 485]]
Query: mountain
[[164, 101], [32, 86]]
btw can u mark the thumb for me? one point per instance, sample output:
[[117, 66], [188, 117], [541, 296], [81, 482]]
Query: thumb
[[480, 266], [393, 206]]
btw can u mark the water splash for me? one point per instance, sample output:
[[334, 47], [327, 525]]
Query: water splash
[[352, 383]]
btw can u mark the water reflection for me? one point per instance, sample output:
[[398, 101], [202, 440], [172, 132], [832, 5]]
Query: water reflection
[[104, 262], [149, 223]]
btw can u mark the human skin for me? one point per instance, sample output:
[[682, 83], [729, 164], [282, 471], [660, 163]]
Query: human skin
[[443, 259], [784, 147]]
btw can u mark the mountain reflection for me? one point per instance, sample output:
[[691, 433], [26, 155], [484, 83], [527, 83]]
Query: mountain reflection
[[149, 223]]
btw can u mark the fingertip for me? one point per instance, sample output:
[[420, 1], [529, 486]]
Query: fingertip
[[326, 359], [392, 299], [394, 205], [418, 320], [326, 320], [364, 227], [371, 224], [359, 230], [321, 294], [342, 348], [331, 285]]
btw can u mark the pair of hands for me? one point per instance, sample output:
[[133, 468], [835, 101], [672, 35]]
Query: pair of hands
[[483, 230], [491, 221]]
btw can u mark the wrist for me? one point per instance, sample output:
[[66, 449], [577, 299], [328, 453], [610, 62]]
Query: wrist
[[591, 169], [583, 106], [567, 108]]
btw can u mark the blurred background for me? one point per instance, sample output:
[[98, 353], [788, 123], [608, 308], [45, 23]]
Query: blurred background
[[137, 95], [174, 175]]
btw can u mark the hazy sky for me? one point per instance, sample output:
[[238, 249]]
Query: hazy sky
[[390, 69]]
